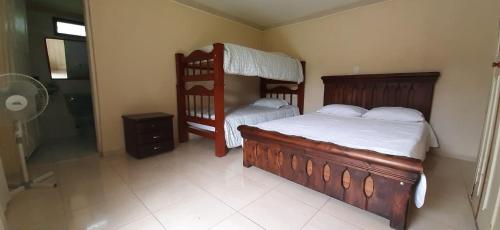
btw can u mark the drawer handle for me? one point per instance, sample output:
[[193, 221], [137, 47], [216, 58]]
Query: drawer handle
[[152, 126], [156, 137], [156, 148]]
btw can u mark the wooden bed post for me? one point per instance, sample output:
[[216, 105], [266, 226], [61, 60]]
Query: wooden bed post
[[181, 98], [263, 87], [300, 95], [220, 141], [276, 92]]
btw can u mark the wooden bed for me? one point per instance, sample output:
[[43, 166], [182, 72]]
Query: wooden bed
[[376, 182], [203, 73]]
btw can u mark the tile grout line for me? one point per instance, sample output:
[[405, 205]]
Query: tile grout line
[[264, 194], [273, 188], [317, 211], [236, 210], [137, 197], [255, 222], [194, 184], [245, 206], [296, 199], [61, 195], [225, 204]]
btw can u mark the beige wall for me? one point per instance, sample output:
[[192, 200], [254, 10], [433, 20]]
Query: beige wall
[[134, 62], [456, 37], [134, 45]]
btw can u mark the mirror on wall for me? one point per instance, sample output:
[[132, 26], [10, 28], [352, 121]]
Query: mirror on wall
[[68, 59]]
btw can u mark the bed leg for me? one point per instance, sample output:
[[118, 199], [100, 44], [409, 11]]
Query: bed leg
[[183, 135], [398, 219], [246, 163], [220, 148]]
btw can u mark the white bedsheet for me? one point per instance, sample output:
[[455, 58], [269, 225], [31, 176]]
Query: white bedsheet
[[408, 139], [247, 115], [240, 60]]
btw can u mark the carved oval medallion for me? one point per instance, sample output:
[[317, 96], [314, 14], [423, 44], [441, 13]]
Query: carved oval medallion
[[346, 179], [326, 172], [309, 168], [369, 186], [294, 162]]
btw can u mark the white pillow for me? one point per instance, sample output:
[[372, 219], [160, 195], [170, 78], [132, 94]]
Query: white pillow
[[343, 110], [394, 114], [270, 103]]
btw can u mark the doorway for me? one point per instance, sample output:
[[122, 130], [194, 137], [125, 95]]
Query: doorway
[[59, 59]]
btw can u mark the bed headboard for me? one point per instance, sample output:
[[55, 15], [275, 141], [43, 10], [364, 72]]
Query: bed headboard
[[411, 90], [286, 90]]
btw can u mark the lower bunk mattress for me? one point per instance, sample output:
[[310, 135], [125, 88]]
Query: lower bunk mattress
[[247, 115]]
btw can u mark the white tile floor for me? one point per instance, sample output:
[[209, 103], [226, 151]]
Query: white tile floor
[[192, 189], [63, 149]]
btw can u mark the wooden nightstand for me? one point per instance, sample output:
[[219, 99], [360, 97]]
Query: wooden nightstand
[[148, 134]]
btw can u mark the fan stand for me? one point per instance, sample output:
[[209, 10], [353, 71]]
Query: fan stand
[[28, 183]]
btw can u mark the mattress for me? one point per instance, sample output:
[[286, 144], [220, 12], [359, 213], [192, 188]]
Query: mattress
[[407, 139], [247, 115], [244, 61]]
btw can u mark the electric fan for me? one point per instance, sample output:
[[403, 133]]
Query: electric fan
[[23, 99]]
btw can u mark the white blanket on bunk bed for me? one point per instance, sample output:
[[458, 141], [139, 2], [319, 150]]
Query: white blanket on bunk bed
[[408, 139], [247, 115], [240, 60]]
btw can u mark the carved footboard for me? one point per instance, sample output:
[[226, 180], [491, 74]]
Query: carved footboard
[[375, 182]]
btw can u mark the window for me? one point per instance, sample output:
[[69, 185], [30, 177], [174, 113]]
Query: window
[[69, 28]]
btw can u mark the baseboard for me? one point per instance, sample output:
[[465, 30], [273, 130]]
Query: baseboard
[[114, 152], [453, 156]]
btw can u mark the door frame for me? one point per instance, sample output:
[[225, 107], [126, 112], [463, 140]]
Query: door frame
[[94, 83]]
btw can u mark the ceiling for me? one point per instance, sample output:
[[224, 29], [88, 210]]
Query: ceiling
[[64, 6], [264, 14]]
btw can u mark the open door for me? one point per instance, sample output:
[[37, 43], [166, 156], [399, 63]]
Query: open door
[[489, 201], [485, 196]]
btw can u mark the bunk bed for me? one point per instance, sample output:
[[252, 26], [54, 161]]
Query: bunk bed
[[200, 88]]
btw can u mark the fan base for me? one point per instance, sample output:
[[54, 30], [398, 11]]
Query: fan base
[[37, 182]]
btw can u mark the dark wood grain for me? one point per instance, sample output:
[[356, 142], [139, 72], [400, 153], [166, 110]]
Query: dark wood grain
[[410, 90], [220, 139], [148, 134], [270, 88]]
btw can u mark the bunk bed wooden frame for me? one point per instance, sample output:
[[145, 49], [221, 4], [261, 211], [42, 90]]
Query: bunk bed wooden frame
[[200, 69], [376, 182]]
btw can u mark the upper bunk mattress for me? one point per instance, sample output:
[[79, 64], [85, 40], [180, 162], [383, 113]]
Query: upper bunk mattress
[[407, 139], [240, 60]]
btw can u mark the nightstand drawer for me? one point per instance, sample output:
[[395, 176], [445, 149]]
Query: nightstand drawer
[[149, 138], [147, 150], [153, 126]]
